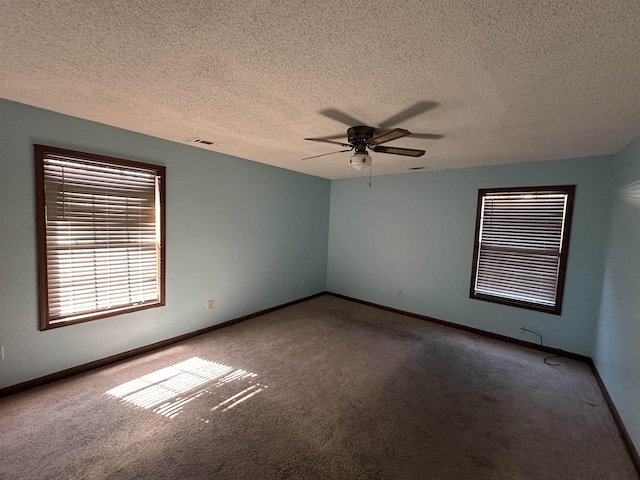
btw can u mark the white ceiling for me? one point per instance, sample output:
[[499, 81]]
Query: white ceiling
[[513, 80]]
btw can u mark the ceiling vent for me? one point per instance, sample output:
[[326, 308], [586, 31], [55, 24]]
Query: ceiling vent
[[202, 141], [417, 168]]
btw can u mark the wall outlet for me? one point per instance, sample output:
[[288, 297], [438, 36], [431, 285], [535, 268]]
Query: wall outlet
[[399, 293], [302, 283], [209, 304]]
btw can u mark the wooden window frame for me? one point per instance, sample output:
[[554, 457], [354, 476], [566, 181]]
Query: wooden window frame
[[563, 257], [40, 153]]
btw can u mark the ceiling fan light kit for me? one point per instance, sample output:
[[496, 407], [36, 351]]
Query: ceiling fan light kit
[[359, 161]]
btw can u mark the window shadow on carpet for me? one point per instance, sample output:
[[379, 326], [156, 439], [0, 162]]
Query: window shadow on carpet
[[167, 391]]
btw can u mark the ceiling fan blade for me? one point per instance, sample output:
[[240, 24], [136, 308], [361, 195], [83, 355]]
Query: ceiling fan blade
[[324, 154], [427, 136], [407, 113], [324, 140], [334, 137], [341, 117], [388, 136], [409, 152]]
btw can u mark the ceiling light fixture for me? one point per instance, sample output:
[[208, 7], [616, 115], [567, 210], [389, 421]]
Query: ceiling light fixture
[[360, 160]]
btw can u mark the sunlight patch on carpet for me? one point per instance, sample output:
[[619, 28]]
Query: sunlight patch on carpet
[[168, 390]]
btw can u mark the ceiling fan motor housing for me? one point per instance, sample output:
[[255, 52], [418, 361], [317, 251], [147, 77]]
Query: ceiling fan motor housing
[[359, 135]]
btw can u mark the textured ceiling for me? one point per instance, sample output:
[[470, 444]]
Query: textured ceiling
[[513, 80]]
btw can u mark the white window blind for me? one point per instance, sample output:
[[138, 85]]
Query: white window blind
[[102, 236], [520, 246]]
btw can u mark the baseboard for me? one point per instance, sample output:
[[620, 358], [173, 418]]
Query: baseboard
[[626, 438], [37, 382], [476, 331], [624, 434]]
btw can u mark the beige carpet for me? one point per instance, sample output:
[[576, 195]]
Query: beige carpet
[[326, 389]]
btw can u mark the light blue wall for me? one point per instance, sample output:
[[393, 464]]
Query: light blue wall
[[617, 351], [414, 232], [252, 236], [242, 233]]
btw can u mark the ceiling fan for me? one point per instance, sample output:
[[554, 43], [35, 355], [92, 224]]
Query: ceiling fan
[[361, 137]]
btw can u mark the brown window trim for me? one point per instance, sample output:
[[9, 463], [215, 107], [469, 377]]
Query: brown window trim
[[557, 308], [40, 152]]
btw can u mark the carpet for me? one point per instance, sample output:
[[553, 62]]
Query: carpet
[[325, 389]]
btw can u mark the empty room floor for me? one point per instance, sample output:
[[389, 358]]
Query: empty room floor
[[325, 389]]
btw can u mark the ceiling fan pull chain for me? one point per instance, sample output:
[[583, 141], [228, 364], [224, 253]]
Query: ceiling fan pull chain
[[370, 169]]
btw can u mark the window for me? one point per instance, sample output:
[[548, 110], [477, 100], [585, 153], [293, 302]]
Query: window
[[101, 231], [520, 249]]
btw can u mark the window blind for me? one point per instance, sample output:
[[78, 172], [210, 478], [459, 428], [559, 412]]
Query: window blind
[[521, 241], [102, 236]]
